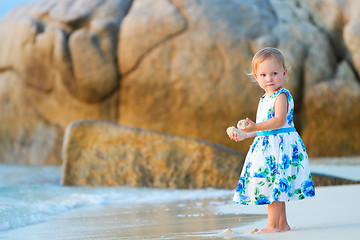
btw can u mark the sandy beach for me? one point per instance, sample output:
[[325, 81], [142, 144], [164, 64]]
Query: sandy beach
[[114, 115], [333, 214]]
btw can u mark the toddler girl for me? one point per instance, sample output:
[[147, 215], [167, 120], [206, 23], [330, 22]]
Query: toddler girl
[[276, 168]]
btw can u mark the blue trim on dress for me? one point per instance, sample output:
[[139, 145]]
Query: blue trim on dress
[[275, 131]]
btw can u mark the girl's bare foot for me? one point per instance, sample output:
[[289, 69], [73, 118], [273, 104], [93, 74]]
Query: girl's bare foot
[[267, 230], [285, 228]]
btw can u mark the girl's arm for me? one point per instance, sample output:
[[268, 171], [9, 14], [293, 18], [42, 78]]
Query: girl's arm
[[281, 107], [235, 137], [250, 135]]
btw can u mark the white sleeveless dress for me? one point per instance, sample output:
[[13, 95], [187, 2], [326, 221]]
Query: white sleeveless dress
[[276, 167]]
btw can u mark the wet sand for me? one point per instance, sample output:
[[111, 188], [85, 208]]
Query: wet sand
[[333, 214], [182, 220]]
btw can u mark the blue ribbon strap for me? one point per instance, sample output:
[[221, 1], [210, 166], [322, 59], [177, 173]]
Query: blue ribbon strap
[[275, 131]]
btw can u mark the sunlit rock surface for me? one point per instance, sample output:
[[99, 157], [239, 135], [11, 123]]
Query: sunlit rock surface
[[174, 66], [106, 154]]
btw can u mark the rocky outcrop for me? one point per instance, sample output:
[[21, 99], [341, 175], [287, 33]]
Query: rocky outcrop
[[333, 108], [105, 154], [25, 137], [97, 153], [194, 78], [173, 66], [58, 64]]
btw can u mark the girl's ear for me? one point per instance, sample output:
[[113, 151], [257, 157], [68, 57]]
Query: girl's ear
[[285, 72]]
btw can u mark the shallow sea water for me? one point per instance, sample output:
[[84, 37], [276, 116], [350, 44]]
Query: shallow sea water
[[35, 205]]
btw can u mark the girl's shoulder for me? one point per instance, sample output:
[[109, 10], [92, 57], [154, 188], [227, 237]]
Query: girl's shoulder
[[276, 94], [283, 90]]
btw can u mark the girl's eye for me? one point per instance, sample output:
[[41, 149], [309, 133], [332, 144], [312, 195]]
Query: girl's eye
[[263, 75], [275, 73]]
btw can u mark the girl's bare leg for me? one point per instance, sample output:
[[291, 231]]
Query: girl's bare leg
[[274, 213], [283, 224]]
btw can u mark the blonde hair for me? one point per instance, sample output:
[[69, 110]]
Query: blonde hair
[[264, 54]]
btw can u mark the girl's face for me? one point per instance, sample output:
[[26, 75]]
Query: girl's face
[[270, 75]]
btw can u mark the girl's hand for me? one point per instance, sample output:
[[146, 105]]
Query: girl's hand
[[251, 127], [235, 137], [236, 134]]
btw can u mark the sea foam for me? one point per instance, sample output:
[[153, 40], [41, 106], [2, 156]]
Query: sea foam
[[36, 195]]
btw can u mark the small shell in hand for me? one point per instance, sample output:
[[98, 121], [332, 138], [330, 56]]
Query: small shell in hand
[[232, 130], [242, 124]]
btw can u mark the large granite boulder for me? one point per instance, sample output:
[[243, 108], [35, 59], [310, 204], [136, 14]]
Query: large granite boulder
[[58, 64], [192, 78], [106, 154], [332, 108], [177, 67], [25, 138], [98, 153]]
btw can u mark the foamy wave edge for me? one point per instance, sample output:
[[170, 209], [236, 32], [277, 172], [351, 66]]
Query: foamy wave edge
[[53, 201]]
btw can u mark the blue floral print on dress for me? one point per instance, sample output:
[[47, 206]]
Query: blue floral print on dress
[[284, 185], [266, 141], [260, 175], [281, 144], [254, 145], [244, 198], [247, 169], [285, 161], [241, 184], [302, 145], [271, 113], [276, 194], [276, 167], [295, 154], [308, 188], [262, 201], [272, 164]]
